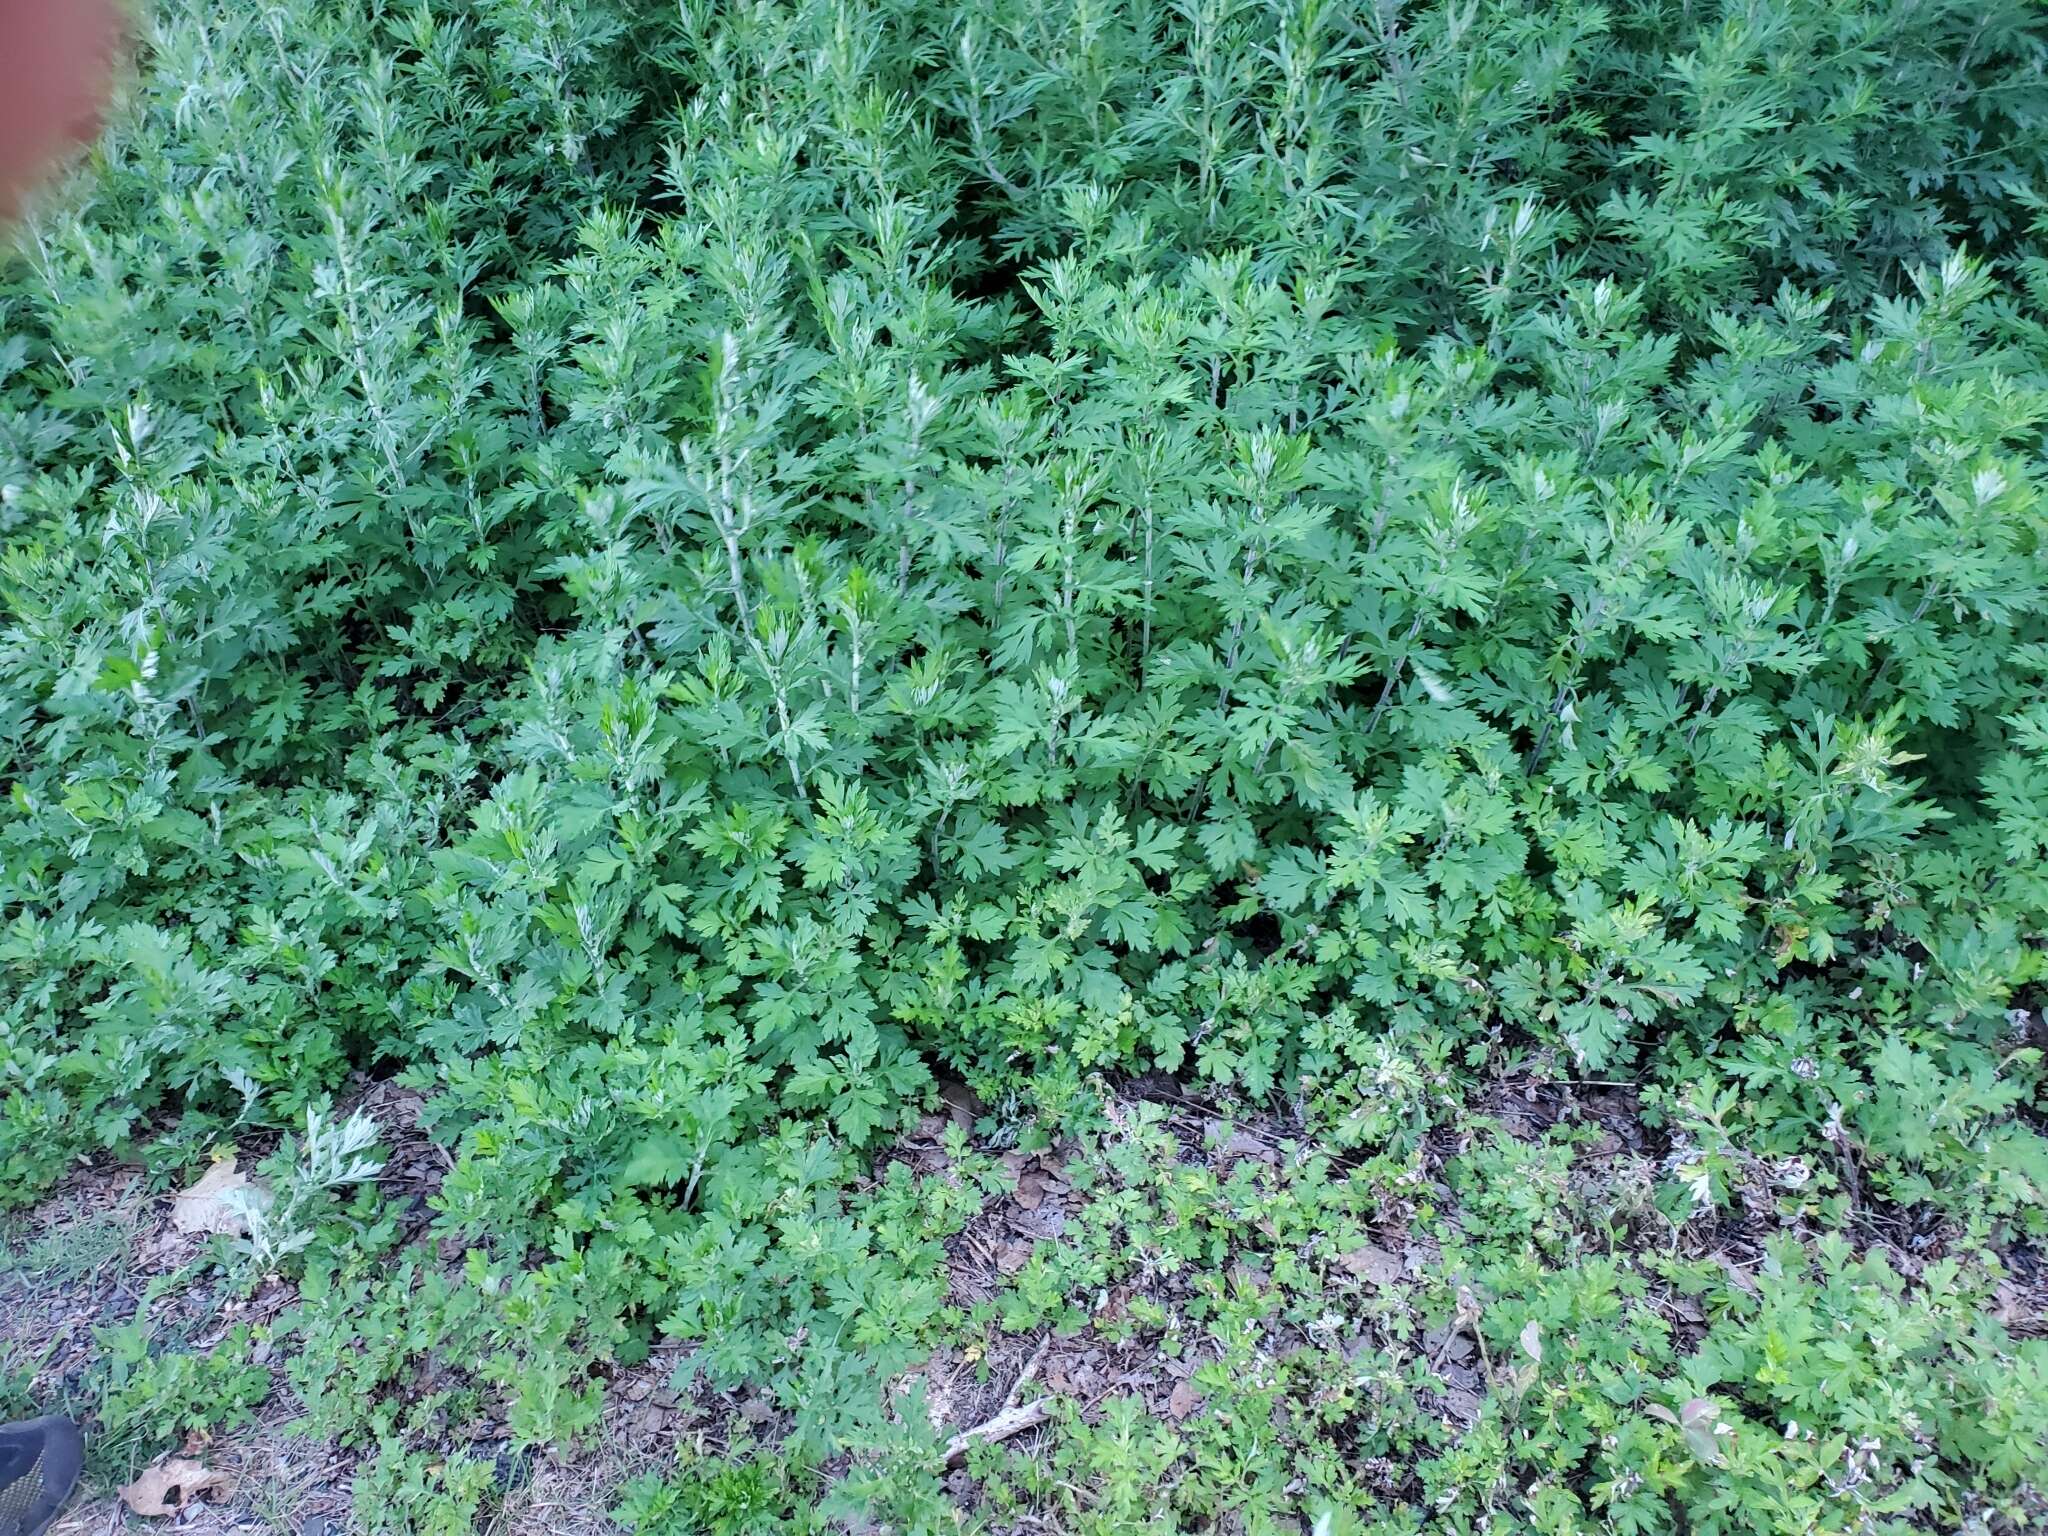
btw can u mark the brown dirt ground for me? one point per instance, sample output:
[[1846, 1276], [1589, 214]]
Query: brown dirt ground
[[84, 1259]]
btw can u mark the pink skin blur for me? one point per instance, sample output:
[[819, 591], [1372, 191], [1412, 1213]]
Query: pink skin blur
[[56, 67]]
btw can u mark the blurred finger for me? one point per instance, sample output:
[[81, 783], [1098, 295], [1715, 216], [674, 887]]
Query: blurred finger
[[56, 67]]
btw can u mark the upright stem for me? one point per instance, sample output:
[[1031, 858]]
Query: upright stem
[[1145, 638], [1069, 536], [387, 438], [1394, 675]]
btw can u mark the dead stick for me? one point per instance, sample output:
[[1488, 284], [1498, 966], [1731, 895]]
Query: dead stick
[[1030, 1370], [1011, 1421]]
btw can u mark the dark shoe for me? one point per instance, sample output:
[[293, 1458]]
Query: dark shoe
[[39, 1462]]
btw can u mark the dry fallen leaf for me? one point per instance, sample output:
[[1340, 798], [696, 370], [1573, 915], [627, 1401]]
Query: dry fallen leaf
[[1369, 1263], [961, 1105], [1463, 1405], [205, 1208], [1448, 1343], [1243, 1144], [1738, 1277], [170, 1485], [2011, 1302]]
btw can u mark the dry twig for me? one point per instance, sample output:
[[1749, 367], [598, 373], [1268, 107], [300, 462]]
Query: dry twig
[[1010, 1422]]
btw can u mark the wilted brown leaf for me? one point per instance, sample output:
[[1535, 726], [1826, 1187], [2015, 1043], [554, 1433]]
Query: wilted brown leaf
[[1738, 1277], [1243, 1144], [1370, 1263], [962, 1107], [170, 1485], [1463, 1405], [204, 1207]]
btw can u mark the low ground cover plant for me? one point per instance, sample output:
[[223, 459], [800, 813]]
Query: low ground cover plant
[[1404, 642]]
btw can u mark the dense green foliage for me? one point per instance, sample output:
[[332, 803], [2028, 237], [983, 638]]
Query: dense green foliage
[[675, 573]]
